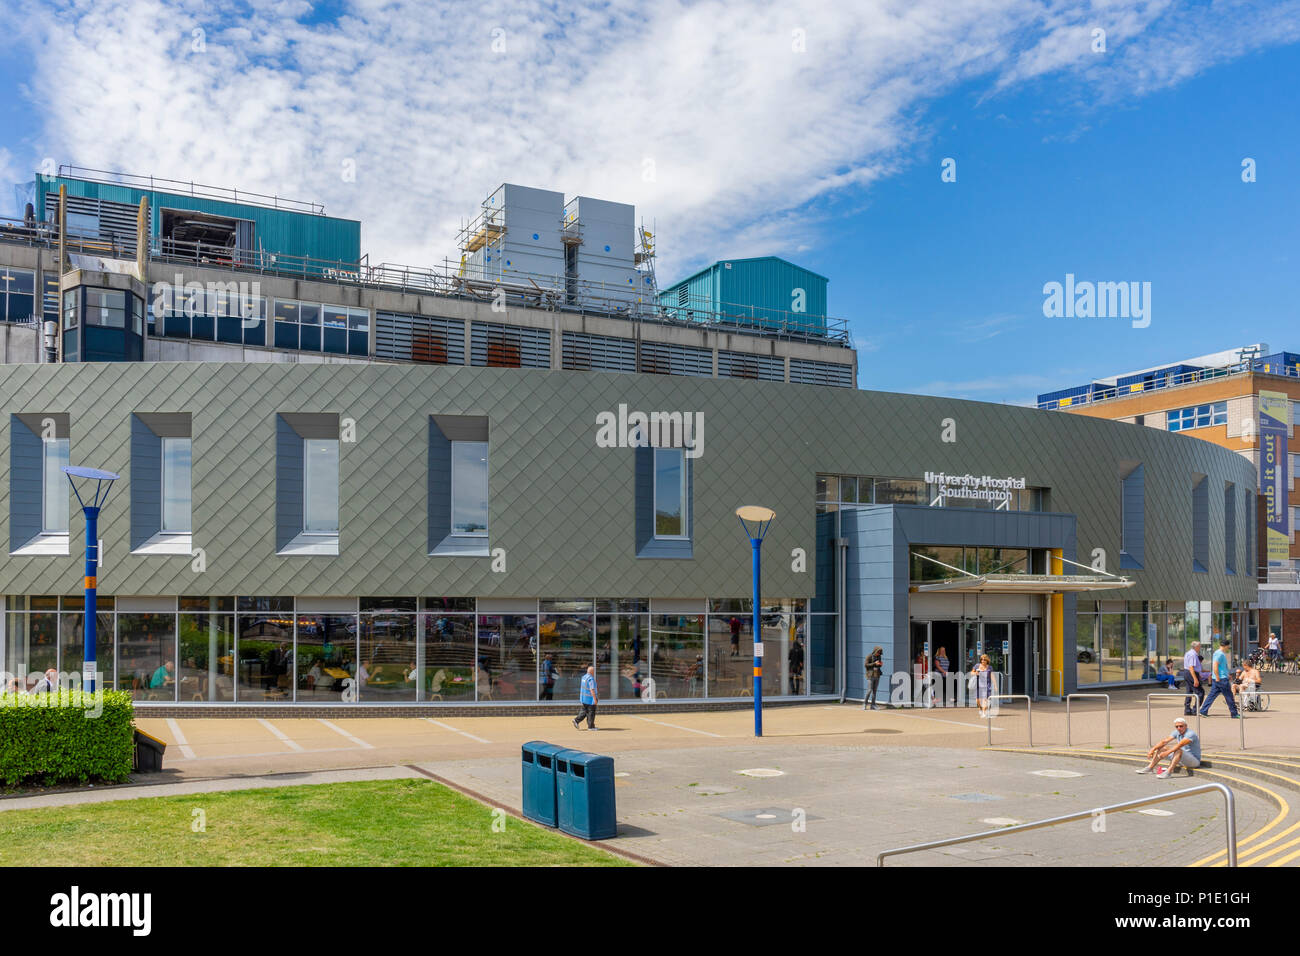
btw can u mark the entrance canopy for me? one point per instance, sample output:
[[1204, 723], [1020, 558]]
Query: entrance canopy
[[969, 583]]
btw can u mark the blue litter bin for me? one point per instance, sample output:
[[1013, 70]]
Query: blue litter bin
[[538, 762], [584, 794]]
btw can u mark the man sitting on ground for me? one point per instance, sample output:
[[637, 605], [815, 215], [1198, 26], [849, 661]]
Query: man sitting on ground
[[1182, 747]]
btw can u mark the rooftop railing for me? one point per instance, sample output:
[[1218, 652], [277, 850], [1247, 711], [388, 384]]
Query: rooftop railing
[[197, 190], [1106, 393], [552, 293]]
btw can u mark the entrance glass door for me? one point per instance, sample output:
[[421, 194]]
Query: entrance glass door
[[919, 657], [996, 643]]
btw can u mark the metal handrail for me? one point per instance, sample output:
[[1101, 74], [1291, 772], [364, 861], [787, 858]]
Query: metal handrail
[[1241, 728], [1106, 393], [1230, 807], [1067, 716], [1025, 697], [1241, 711]]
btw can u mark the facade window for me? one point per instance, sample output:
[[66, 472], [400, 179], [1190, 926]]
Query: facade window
[[102, 325], [176, 468], [837, 491], [307, 473], [1201, 524], [160, 488], [320, 481], [17, 295], [1197, 416], [1132, 519], [1229, 527], [231, 315], [320, 327], [469, 488], [54, 486], [670, 493], [458, 485]]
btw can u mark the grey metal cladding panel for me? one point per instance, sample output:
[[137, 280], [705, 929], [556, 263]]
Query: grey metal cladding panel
[[561, 507], [994, 529], [145, 482], [288, 482], [1133, 489], [25, 483], [440, 479]]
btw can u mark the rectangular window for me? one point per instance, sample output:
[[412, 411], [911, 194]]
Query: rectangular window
[[176, 486], [1197, 416], [469, 488], [1200, 523], [106, 307], [1230, 527], [54, 508], [320, 482], [17, 295], [1132, 519], [670, 493]]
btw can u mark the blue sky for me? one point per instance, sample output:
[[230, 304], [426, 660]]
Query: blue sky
[[792, 128]]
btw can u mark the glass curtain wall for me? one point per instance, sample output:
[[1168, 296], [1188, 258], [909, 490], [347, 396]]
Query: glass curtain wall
[[209, 649]]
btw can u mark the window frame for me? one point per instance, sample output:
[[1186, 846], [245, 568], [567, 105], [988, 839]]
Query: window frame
[[46, 445], [683, 491], [163, 486], [454, 496], [307, 487]]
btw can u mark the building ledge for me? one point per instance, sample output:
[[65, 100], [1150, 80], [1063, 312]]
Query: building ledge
[[43, 545], [461, 546], [311, 544], [166, 544]]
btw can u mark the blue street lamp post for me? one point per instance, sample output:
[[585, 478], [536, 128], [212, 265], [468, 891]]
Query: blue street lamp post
[[755, 520], [90, 507]]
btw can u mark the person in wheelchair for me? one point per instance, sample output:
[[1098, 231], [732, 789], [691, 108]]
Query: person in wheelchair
[[1246, 683]]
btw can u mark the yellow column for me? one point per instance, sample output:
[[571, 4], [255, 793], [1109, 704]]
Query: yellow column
[[1056, 631]]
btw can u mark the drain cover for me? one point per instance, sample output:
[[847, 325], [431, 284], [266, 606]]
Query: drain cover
[[762, 772], [1055, 773], [881, 730], [766, 816], [1156, 812]]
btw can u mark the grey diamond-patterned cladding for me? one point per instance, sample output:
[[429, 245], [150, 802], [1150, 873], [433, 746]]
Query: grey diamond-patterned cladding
[[562, 508]]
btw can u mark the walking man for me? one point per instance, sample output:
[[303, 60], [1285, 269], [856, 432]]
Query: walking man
[[549, 673], [1221, 685], [1191, 674], [588, 698]]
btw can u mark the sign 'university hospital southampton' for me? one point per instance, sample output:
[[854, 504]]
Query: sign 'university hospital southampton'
[[977, 487]]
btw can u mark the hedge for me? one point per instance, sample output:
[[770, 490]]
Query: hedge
[[66, 737]]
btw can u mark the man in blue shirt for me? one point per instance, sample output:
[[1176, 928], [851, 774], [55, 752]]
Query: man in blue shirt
[[1220, 680], [1181, 747], [588, 698]]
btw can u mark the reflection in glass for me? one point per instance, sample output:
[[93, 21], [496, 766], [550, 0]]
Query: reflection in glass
[[320, 486], [677, 655], [1088, 660], [507, 657], [469, 487], [731, 654], [176, 485], [207, 670], [72, 647], [670, 493], [264, 658], [570, 640], [146, 655], [54, 512], [622, 655], [326, 658], [448, 656], [388, 657]]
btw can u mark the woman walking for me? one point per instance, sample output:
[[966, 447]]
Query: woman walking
[[983, 681], [873, 666]]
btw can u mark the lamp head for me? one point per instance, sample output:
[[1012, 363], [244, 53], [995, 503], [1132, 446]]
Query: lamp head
[[103, 482], [755, 519]]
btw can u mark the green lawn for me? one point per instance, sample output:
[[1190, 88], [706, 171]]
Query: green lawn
[[374, 823]]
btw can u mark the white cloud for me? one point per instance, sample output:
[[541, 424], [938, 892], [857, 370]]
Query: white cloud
[[747, 136]]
